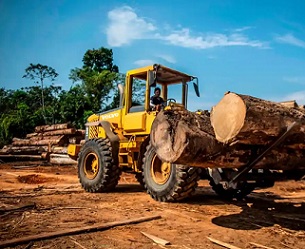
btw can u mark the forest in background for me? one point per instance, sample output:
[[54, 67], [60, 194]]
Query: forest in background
[[93, 90]]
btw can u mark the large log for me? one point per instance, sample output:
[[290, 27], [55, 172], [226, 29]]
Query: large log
[[59, 150], [29, 135], [183, 137], [44, 128], [238, 155], [60, 132], [249, 120], [58, 140], [24, 149], [61, 159]]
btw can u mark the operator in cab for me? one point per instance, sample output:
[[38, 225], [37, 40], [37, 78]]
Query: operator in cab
[[156, 102]]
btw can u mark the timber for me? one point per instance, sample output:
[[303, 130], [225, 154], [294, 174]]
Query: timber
[[249, 120], [72, 231], [183, 137], [238, 155], [44, 128], [48, 141], [60, 132], [23, 149], [61, 159], [59, 150]]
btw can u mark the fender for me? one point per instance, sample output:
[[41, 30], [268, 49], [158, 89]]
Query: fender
[[108, 130], [114, 139]]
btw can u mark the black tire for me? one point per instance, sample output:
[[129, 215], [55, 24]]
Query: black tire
[[181, 181], [139, 177], [105, 175], [241, 192]]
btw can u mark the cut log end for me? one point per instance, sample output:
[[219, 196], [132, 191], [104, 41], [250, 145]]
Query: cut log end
[[227, 117]]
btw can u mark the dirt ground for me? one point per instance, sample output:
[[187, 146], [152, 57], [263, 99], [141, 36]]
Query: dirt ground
[[53, 200]]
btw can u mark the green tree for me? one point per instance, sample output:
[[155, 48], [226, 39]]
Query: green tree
[[97, 76], [73, 106], [39, 73]]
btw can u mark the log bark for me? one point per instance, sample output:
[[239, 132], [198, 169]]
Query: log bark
[[60, 132], [249, 120], [24, 149], [238, 155], [31, 135], [50, 141], [44, 128], [59, 150], [183, 137], [61, 159]]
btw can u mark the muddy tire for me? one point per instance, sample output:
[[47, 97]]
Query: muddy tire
[[168, 182], [97, 171]]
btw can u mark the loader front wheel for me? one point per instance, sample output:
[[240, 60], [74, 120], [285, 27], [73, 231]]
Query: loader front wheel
[[96, 169], [168, 182]]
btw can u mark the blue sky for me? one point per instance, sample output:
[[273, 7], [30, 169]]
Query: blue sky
[[251, 47]]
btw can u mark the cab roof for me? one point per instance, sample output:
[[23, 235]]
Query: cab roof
[[165, 75]]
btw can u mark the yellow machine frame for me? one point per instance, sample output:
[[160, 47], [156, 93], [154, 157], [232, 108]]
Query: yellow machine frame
[[131, 129]]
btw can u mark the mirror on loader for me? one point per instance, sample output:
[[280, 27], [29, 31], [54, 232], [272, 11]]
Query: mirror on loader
[[152, 79], [196, 86]]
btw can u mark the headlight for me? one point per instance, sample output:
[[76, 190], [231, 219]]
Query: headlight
[[87, 133]]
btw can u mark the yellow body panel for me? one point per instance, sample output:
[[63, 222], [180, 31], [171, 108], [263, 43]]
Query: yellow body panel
[[73, 149], [133, 122]]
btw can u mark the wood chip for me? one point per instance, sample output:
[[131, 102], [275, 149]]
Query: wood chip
[[261, 246], [223, 244], [156, 239]]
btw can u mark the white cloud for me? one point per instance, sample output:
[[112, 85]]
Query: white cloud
[[290, 39], [167, 58], [297, 80], [143, 63], [184, 39], [299, 97], [125, 26], [243, 29]]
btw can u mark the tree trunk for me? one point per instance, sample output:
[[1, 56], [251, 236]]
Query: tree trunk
[[31, 135], [248, 120], [58, 140], [61, 159], [24, 149], [59, 150], [183, 137], [60, 132], [44, 128], [238, 155]]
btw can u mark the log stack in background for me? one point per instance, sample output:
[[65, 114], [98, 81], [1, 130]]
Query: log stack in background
[[48, 142]]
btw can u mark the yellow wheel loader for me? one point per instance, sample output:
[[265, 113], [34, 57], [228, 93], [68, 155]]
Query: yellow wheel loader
[[119, 140]]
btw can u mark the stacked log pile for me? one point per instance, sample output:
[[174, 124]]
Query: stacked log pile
[[48, 142], [238, 129]]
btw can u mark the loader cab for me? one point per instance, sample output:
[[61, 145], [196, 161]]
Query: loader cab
[[137, 114]]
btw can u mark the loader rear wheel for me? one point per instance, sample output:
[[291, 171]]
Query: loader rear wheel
[[168, 182], [96, 169], [241, 192]]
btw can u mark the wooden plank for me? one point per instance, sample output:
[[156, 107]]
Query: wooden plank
[[223, 244], [28, 206], [156, 239], [86, 229]]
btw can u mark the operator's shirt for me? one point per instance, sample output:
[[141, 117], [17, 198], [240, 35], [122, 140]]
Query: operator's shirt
[[156, 100]]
